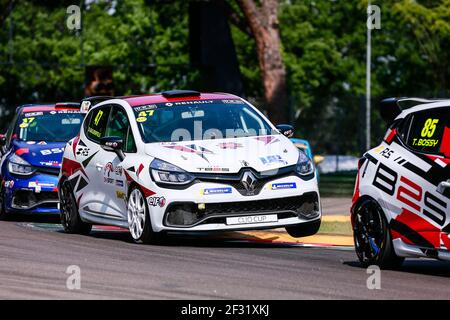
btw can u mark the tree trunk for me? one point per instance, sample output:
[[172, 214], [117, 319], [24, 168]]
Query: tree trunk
[[263, 21]]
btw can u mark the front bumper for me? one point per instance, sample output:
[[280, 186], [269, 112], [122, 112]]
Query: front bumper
[[35, 194], [206, 206]]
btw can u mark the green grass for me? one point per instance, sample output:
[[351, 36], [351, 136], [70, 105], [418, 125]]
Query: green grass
[[337, 185], [336, 228]]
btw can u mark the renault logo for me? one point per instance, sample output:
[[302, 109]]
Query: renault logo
[[249, 181]]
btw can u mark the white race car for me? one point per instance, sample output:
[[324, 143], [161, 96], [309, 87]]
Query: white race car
[[401, 205], [185, 161]]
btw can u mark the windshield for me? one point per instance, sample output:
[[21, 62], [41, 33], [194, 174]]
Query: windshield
[[49, 126], [199, 120]]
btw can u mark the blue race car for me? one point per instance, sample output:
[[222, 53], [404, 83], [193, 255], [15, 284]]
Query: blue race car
[[32, 151], [305, 146]]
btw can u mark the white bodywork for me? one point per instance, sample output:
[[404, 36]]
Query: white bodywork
[[104, 199], [399, 180]]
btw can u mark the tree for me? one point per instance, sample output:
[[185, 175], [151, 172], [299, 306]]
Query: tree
[[428, 22], [262, 21]]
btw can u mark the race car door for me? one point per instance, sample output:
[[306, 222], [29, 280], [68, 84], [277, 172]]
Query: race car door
[[94, 200], [113, 175]]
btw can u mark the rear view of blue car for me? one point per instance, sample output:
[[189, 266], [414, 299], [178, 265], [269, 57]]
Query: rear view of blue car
[[31, 158]]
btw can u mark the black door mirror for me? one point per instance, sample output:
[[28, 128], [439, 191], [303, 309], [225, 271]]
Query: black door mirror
[[286, 129], [113, 144]]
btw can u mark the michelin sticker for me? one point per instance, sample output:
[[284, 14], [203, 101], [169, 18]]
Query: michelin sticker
[[210, 191], [283, 185]]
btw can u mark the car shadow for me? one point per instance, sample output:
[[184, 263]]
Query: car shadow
[[34, 218], [229, 239], [416, 266], [217, 240]]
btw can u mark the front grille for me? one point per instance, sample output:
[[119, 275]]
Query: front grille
[[235, 180], [47, 170], [26, 199], [187, 214], [257, 206]]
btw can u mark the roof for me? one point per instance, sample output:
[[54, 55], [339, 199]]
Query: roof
[[49, 107], [159, 98], [425, 106]]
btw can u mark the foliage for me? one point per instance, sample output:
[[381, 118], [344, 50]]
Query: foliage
[[324, 49]]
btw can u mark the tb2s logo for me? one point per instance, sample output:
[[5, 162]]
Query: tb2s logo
[[411, 194], [46, 152]]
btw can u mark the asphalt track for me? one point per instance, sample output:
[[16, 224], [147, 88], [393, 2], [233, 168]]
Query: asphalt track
[[34, 259]]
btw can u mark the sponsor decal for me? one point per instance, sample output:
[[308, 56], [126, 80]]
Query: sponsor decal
[[50, 163], [83, 151], [272, 159], [119, 183], [108, 180], [46, 152], [157, 201], [210, 191], [33, 114], [181, 103], [120, 194], [214, 169], [283, 185], [234, 101], [145, 107], [108, 169], [230, 145], [31, 142], [9, 184], [118, 170], [94, 132], [85, 105], [38, 185], [42, 143]]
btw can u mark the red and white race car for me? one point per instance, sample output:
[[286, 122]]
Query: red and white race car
[[402, 193]]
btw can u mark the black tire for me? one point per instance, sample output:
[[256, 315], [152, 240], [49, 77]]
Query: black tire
[[70, 217], [146, 234], [372, 236], [4, 215], [304, 230]]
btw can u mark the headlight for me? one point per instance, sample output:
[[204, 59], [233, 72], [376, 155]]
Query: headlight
[[165, 172], [304, 165], [17, 165]]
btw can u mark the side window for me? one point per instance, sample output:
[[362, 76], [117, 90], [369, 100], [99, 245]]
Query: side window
[[97, 123], [86, 122], [119, 126], [425, 131]]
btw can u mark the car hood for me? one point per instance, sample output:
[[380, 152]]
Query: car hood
[[262, 153], [40, 154]]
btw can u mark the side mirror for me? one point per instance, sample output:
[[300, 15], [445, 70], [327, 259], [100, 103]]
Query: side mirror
[[2, 140], [113, 144], [286, 129]]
